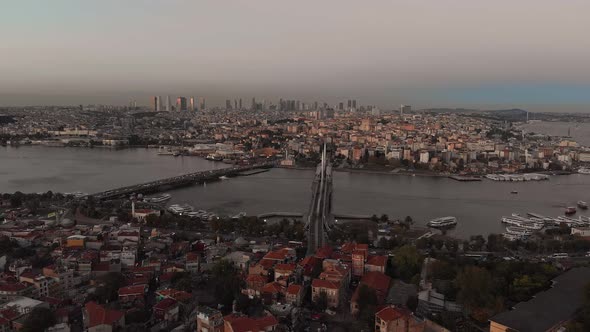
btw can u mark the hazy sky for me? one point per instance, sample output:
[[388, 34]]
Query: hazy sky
[[463, 53]]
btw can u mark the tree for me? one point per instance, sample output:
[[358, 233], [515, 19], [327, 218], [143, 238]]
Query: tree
[[226, 282], [16, 199], [475, 288], [322, 301], [441, 270], [384, 218], [38, 320], [367, 304], [109, 287], [407, 262]]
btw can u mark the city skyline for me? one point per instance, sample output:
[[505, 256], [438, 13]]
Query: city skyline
[[527, 55]]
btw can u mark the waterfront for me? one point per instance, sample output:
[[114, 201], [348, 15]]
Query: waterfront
[[477, 205]]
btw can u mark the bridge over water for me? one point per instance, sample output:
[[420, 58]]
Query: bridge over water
[[320, 218], [177, 181]]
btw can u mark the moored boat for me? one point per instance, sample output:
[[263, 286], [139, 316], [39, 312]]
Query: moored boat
[[582, 205], [158, 199], [518, 231], [570, 210], [442, 222]]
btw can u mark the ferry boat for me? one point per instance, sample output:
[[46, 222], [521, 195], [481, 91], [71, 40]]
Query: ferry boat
[[442, 222], [214, 157], [570, 210], [514, 192], [180, 209], [239, 215], [582, 205], [158, 199], [512, 237], [518, 231]]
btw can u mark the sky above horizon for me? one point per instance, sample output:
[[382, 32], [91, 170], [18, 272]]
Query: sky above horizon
[[531, 54]]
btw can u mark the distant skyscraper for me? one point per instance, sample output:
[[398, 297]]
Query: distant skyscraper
[[191, 105], [349, 104], [341, 106], [354, 104], [228, 104], [404, 109], [202, 105], [240, 104], [315, 105], [253, 107], [168, 105], [156, 103], [181, 104], [235, 104]]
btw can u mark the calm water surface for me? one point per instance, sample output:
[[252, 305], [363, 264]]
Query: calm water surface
[[477, 205]]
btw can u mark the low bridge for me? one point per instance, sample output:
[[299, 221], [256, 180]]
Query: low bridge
[[177, 181]]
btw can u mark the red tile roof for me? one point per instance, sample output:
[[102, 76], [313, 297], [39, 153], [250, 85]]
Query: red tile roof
[[285, 267], [376, 280], [272, 288], [247, 324], [391, 313], [319, 283], [278, 255], [178, 295], [132, 290], [12, 287], [377, 261], [294, 289], [165, 304], [98, 315], [256, 278], [267, 263]]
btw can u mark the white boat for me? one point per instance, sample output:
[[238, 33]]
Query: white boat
[[518, 231], [582, 205], [584, 170], [180, 209], [239, 215], [164, 151], [223, 177], [512, 237], [442, 222], [158, 199]]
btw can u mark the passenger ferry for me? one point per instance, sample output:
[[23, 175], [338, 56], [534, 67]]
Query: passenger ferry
[[582, 205], [521, 231], [158, 199], [442, 222]]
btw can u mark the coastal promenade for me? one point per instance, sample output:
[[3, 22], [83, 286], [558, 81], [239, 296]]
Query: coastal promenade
[[179, 181]]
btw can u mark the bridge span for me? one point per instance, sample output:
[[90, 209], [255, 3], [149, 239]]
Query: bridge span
[[177, 181], [320, 218]]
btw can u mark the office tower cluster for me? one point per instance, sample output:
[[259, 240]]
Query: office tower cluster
[[182, 104]]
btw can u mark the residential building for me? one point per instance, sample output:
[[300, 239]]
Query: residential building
[[209, 320]]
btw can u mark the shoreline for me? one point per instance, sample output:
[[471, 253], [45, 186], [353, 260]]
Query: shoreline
[[420, 173]]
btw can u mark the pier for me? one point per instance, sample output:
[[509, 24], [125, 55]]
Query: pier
[[178, 181]]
